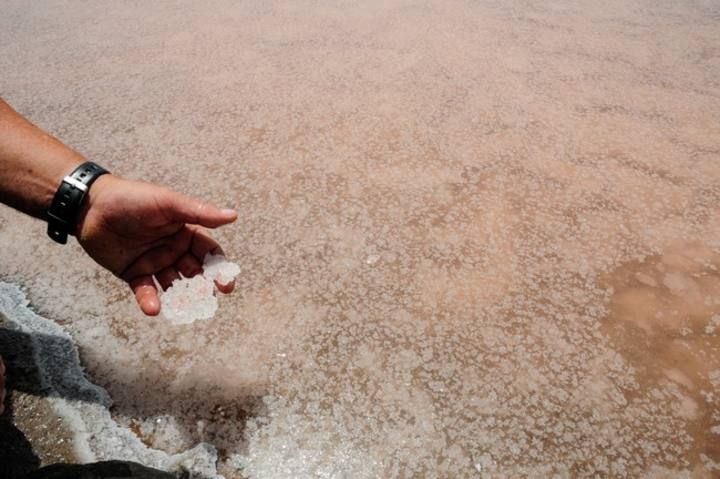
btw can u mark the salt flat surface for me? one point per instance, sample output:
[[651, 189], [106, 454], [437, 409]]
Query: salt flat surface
[[478, 238]]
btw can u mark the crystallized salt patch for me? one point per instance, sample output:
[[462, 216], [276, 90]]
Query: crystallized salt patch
[[190, 299], [218, 268]]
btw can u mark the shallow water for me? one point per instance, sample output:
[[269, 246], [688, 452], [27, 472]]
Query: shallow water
[[477, 238]]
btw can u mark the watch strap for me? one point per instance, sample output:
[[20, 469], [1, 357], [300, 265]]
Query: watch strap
[[65, 207]]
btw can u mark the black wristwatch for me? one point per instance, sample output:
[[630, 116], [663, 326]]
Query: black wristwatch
[[66, 204]]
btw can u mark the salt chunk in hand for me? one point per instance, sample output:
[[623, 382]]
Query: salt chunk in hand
[[190, 299], [216, 267]]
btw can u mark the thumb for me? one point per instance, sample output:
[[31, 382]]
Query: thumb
[[197, 212]]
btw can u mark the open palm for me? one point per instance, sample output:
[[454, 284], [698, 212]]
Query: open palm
[[138, 230]]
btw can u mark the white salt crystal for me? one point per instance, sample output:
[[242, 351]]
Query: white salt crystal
[[216, 267], [190, 299], [372, 259], [712, 324]]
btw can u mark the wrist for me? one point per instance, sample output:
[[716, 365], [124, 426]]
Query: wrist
[[52, 178], [93, 199], [69, 199]]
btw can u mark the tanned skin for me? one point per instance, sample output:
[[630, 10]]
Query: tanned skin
[[136, 230]]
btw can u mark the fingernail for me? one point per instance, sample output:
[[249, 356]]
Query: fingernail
[[228, 212]]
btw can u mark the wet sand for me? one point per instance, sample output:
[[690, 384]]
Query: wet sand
[[477, 238]]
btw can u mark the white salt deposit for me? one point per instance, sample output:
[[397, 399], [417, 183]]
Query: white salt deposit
[[191, 299], [712, 324], [217, 268], [503, 324], [83, 405]]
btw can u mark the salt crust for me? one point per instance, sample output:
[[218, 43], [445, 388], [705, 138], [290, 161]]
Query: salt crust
[[573, 159], [192, 299], [97, 436]]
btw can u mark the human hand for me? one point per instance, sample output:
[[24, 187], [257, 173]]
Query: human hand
[[139, 230]]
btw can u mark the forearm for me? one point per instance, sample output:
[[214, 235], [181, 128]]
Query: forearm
[[32, 163]]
